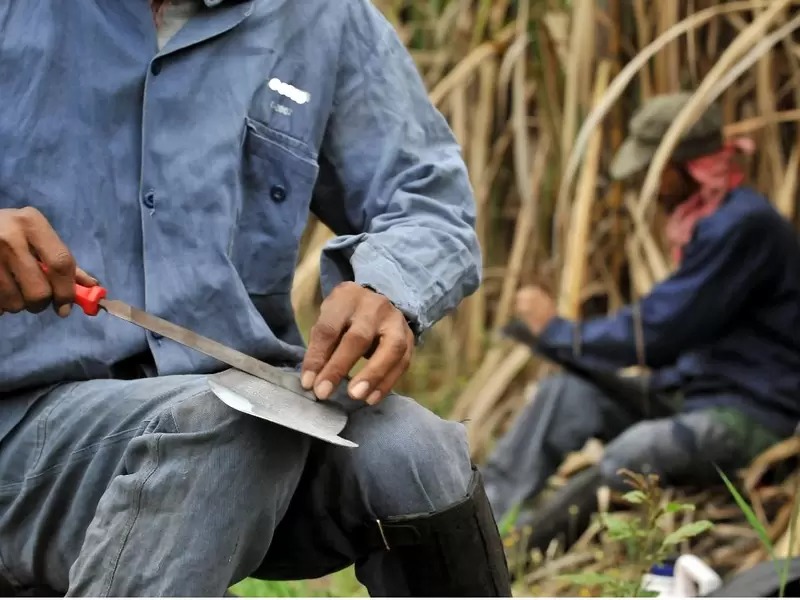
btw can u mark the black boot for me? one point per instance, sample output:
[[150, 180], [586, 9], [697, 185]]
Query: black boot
[[564, 517], [455, 552]]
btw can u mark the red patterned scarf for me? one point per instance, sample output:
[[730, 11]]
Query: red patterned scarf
[[717, 175]]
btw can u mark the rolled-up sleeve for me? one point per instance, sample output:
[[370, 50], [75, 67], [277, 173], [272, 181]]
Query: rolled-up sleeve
[[393, 185]]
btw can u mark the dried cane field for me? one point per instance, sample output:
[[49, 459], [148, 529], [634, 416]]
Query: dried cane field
[[538, 93]]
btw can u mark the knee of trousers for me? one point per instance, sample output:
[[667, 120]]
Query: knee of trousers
[[211, 428], [409, 460], [633, 450]]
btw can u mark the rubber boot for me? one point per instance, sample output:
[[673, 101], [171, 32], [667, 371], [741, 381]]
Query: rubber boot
[[454, 552]]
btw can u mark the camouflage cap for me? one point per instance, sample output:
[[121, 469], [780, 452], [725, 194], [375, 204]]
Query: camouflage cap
[[651, 122]]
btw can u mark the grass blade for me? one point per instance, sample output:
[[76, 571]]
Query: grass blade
[[752, 519], [758, 527], [784, 574]]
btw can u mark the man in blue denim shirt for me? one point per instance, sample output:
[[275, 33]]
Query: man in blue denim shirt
[[174, 151]]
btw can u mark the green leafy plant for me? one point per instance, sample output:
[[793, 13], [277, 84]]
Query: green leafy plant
[[646, 539]]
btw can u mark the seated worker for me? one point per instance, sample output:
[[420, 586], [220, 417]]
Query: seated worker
[[723, 330], [174, 149]]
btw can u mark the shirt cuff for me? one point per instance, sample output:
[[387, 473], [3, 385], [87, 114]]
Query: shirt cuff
[[560, 339], [353, 258]]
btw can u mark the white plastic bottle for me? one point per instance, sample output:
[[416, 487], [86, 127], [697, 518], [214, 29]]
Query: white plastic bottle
[[690, 577], [693, 577]]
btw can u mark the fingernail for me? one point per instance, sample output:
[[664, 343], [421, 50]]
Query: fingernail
[[359, 390], [307, 380], [64, 310], [323, 390], [374, 398]]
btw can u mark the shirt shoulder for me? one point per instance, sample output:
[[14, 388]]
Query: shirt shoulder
[[745, 215], [354, 33]]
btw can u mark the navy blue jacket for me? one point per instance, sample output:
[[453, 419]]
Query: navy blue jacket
[[727, 321]]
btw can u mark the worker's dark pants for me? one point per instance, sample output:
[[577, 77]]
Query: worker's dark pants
[[156, 488], [568, 411]]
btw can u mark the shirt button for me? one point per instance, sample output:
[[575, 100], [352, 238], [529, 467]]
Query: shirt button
[[157, 336], [278, 193], [149, 199], [155, 67]]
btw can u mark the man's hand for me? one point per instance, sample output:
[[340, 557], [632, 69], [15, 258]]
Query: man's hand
[[535, 307], [26, 238], [355, 322]]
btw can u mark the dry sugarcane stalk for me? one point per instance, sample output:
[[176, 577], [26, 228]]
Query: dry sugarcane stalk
[[306, 278], [758, 508], [557, 26], [717, 514], [786, 196], [779, 524], [490, 393], [525, 226], [771, 155], [652, 255], [524, 234], [575, 263], [467, 66], [580, 47], [751, 560], [643, 35], [567, 562], [667, 62], [789, 544], [490, 363], [725, 530], [749, 125], [763, 462], [729, 556], [640, 275], [479, 157]]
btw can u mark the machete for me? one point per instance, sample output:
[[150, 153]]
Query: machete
[[245, 387]]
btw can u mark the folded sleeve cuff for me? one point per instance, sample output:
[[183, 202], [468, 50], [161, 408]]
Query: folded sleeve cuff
[[354, 258], [559, 339]]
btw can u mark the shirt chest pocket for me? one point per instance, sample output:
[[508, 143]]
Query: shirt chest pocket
[[278, 177]]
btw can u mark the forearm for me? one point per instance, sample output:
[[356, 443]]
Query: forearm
[[422, 253], [603, 343]]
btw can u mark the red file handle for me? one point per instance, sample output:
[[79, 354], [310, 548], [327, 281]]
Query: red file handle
[[88, 298]]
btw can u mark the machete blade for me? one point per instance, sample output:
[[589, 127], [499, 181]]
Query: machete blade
[[254, 396]]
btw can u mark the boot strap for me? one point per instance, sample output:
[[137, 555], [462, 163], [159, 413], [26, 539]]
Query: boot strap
[[455, 551]]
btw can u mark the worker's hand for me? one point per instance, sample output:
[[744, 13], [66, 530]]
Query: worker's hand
[[26, 238], [355, 322], [535, 307]]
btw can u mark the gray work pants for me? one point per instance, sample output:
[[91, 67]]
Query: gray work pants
[[154, 487], [568, 411]]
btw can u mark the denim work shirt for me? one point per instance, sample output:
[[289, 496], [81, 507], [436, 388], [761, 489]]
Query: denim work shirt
[[183, 178], [725, 326]]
